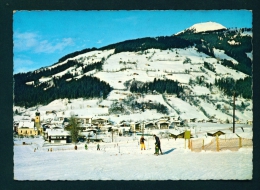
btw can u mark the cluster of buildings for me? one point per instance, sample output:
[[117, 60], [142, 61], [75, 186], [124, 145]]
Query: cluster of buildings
[[53, 130]]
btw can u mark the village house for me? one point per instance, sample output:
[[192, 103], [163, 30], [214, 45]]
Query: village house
[[238, 121], [99, 122], [84, 119], [124, 123], [176, 134], [162, 124], [212, 121], [135, 126], [176, 123], [201, 121], [217, 133], [193, 120], [57, 136], [105, 127], [150, 125], [123, 130], [50, 112], [249, 122], [103, 106], [124, 127]]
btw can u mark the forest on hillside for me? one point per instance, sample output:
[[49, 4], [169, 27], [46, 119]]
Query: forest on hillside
[[158, 86], [141, 44], [206, 41], [67, 86], [43, 93], [241, 87]]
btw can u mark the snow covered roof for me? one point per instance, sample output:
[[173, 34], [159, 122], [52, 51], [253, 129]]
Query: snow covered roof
[[24, 124], [162, 121], [106, 103], [176, 132], [84, 116], [58, 133], [134, 123], [100, 118], [176, 121]]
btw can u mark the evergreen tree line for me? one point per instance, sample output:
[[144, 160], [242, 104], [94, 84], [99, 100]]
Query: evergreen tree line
[[85, 87], [242, 87], [160, 108], [160, 86], [205, 48], [239, 67], [141, 44], [36, 75], [209, 66], [76, 53], [44, 72], [228, 63], [97, 65]]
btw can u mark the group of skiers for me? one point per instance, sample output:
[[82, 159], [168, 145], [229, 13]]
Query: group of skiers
[[142, 139], [157, 144]]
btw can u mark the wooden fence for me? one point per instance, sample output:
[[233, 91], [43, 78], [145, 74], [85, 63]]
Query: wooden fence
[[218, 144]]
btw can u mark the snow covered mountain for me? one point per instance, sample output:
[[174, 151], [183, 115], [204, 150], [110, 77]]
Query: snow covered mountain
[[204, 27], [189, 75]]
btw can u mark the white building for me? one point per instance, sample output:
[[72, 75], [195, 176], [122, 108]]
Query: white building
[[57, 136]]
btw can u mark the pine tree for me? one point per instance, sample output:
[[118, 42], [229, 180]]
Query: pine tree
[[74, 129]]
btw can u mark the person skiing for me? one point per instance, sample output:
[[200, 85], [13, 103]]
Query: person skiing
[[142, 143], [98, 147], [158, 143]]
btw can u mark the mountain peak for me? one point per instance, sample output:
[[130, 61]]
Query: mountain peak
[[203, 27]]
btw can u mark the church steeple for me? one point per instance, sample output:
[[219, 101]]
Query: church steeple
[[37, 117], [37, 122]]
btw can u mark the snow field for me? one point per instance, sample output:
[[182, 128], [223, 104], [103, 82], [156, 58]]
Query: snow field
[[206, 26], [200, 90], [149, 65], [221, 55], [127, 162], [156, 99], [117, 94], [182, 78], [146, 67], [186, 110]]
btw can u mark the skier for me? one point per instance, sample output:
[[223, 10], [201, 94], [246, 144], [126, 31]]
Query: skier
[[86, 147], [98, 147], [158, 143], [142, 143]]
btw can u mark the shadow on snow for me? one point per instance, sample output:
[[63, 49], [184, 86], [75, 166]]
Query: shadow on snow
[[169, 151]]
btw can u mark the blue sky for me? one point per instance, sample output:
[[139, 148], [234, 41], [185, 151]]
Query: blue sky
[[42, 37]]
